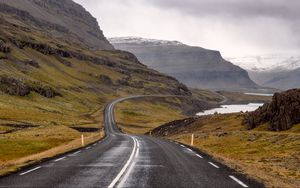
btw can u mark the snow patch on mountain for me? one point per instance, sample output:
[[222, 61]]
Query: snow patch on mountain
[[139, 40], [267, 63]]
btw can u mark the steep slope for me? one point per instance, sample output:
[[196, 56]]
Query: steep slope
[[197, 67], [61, 19], [53, 87], [37, 64]]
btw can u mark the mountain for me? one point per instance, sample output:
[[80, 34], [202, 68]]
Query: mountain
[[57, 67], [58, 73], [62, 19], [197, 67], [276, 71]]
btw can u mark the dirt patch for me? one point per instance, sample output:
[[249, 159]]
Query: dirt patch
[[86, 129], [15, 127]]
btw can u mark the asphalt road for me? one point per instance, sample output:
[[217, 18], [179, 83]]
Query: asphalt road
[[122, 160]]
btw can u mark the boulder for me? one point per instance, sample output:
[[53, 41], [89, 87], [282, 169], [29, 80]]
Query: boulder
[[105, 79], [45, 91], [281, 113], [32, 63], [3, 47], [13, 86]]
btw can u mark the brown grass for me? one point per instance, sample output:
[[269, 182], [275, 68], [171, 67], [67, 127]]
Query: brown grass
[[238, 98], [139, 117], [15, 164], [270, 157]]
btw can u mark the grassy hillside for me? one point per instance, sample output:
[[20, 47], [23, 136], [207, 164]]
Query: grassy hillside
[[53, 90]]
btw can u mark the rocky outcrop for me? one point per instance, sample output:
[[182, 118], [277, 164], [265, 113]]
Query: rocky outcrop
[[172, 127], [59, 18], [63, 61], [13, 86], [16, 87], [44, 90], [105, 79], [32, 63], [280, 114], [3, 47]]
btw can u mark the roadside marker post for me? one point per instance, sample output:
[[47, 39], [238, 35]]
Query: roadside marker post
[[82, 140], [192, 140]]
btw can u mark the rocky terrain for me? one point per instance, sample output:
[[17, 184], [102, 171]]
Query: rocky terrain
[[280, 114], [36, 59], [61, 19], [197, 67], [58, 72]]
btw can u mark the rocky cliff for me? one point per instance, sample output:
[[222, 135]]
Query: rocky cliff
[[281, 114], [47, 64], [197, 67], [62, 19]]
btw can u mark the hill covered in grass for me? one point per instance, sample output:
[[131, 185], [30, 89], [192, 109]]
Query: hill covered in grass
[[58, 72], [270, 157]]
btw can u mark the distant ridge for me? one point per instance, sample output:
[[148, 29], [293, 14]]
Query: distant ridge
[[139, 40], [195, 66]]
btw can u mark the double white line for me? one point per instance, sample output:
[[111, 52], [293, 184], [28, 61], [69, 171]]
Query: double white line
[[128, 166]]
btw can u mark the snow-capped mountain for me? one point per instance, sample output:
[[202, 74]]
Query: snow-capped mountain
[[143, 41], [277, 71], [267, 63], [195, 66]]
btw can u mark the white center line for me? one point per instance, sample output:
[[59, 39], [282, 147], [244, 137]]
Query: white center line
[[182, 145], [214, 165], [117, 178], [88, 147], [199, 156], [138, 149], [238, 181], [30, 171], [95, 144], [59, 159], [124, 179]]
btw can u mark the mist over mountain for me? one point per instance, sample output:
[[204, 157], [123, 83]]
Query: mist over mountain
[[195, 66], [276, 71]]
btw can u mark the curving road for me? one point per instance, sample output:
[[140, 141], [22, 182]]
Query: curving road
[[122, 160]]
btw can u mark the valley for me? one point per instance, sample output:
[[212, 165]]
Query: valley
[[78, 109]]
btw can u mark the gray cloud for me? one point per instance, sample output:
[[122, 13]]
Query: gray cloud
[[235, 27], [286, 9]]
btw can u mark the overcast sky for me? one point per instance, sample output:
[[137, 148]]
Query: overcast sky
[[234, 27]]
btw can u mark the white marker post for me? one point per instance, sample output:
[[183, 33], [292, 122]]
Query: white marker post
[[192, 140], [82, 140]]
